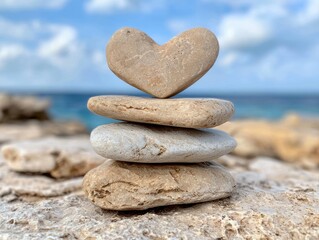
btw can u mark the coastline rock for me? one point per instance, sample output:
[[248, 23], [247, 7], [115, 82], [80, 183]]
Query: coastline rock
[[275, 139], [180, 112], [146, 143], [37, 129], [60, 157], [15, 186], [14, 108], [273, 200], [297, 121], [128, 186], [166, 70]]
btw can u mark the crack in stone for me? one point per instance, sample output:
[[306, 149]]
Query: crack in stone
[[135, 108], [174, 176], [102, 192], [119, 181]]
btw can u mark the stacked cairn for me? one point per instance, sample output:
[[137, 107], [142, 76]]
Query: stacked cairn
[[162, 153]]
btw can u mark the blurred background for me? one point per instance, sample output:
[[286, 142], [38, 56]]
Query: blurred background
[[268, 62]]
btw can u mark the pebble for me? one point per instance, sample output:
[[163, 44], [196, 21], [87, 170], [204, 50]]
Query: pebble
[[180, 112], [118, 185], [61, 157], [145, 143]]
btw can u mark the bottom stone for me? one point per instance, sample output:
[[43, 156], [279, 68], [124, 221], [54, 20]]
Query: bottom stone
[[118, 185]]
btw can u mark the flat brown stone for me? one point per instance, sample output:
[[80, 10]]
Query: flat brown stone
[[179, 112], [135, 186], [61, 157], [166, 70]]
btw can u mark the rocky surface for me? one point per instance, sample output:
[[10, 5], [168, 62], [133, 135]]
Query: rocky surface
[[166, 70], [15, 185], [14, 108], [37, 129], [287, 139], [158, 144], [273, 200], [122, 186], [61, 157], [179, 112]]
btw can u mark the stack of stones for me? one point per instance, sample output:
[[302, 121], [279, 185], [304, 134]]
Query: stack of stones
[[162, 153]]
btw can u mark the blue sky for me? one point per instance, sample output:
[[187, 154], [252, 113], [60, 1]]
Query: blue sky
[[267, 46]]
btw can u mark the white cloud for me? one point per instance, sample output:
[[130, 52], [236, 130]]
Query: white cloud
[[11, 51], [310, 13], [264, 29], [269, 46], [177, 25], [20, 30], [240, 4], [61, 46], [31, 4], [240, 32], [51, 42], [108, 5], [265, 45], [50, 56], [99, 58], [111, 6], [229, 59]]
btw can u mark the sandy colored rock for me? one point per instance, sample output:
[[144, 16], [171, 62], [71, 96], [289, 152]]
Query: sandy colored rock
[[286, 141], [14, 185], [37, 129], [13, 108], [128, 186], [146, 143], [300, 122], [273, 200], [166, 70], [179, 112], [61, 157]]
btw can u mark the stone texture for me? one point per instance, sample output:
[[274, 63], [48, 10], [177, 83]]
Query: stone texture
[[13, 108], [282, 139], [161, 71], [180, 112], [37, 129], [273, 200], [157, 144], [14, 185], [128, 186], [60, 157]]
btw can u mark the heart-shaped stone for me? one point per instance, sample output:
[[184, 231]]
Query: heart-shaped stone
[[166, 70]]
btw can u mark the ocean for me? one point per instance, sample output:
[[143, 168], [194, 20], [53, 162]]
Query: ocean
[[72, 106]]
